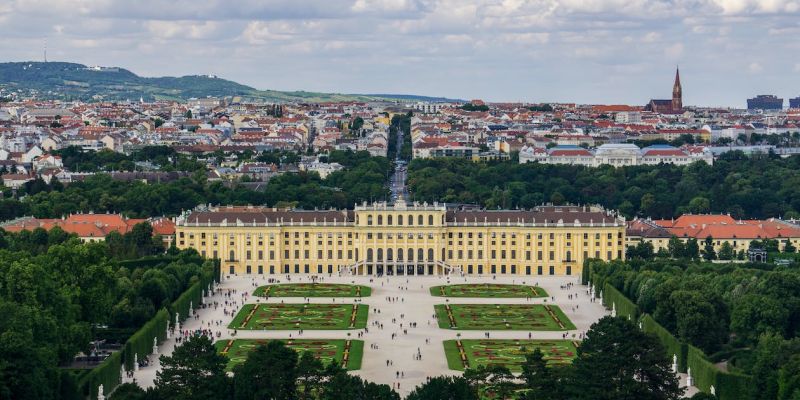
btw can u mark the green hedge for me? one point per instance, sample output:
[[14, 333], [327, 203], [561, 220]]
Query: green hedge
[[732, 386], [192, 295], [106, 374], [624, 306], [704, 372], [728, 386], [672, 344], [141, 342]]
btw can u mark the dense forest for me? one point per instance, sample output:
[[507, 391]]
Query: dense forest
[[58, 294], [760, 186], [363, 179], [746, 316]]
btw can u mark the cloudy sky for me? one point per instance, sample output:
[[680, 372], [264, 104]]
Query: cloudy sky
[[586, 51]]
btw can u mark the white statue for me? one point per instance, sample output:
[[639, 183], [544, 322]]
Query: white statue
[[613, 309], [713, 390], [675, 363], [689, 380], [135, 362], [177, 324], [100, 395], [155, 345]]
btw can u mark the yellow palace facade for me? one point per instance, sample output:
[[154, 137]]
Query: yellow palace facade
[[402, 239]]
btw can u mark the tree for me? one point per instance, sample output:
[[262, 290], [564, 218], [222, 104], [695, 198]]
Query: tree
[[501, 382], [677, 249], [708, 249], [194, 371], [342, 386], [309, 375], [701, 318], [617, 361], [754, 315], [270, 372], [789, 379], [539, 381], [692, 249], [699, 205], [444, 388], [726, 251]]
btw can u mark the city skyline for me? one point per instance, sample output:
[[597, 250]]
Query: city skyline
[[547, 51]]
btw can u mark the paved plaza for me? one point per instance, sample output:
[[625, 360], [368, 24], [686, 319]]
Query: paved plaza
[[396, 303]]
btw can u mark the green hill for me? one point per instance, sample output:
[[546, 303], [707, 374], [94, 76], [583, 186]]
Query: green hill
[[71, 81]]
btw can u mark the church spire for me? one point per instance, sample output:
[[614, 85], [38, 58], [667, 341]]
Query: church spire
[[677, 92]]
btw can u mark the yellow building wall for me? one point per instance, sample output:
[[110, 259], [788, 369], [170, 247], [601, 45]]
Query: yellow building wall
[[378, 237]]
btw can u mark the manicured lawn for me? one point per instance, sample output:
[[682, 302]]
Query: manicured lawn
[[507, 352], [300, 316], [488, 290], [326, 350], [313, 290], [514, 317]]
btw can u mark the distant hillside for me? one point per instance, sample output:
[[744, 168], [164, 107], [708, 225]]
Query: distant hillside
[[70, 81]]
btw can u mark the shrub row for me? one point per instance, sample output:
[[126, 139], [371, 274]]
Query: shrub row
[[141, 343], [106, 374], [670, 342], [624, 306], [727, 385]]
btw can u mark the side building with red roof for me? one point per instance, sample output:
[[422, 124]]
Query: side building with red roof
[[721, 228], [92, 227]]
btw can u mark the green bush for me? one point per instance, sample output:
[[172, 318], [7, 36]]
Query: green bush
[[624, 306], [193, 295], [672, 345], [703, 371], [732, 386], [141, 342], [106, 374]]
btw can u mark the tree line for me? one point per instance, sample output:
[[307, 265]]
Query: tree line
[[758, 186], [363, 179], [57, 295], [746, 316]]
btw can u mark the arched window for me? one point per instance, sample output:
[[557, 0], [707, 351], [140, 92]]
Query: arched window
[[443, 255], [430, 254], [231, 270], [419, 220], [380, 219], [380, 254], [569, 255], [369, 254], [400, 220], [369, 219], [410, 220], [399, 254], [389, 254], [389, 219], [410, 254], [420, 255], [233, 256], [430, 220]]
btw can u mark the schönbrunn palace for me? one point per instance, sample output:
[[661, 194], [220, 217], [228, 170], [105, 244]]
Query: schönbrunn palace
[[403, 239]]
